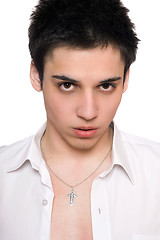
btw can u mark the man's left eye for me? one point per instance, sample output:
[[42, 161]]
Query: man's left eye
[[107, 87]]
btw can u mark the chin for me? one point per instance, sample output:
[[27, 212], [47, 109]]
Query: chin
[[84, 144]]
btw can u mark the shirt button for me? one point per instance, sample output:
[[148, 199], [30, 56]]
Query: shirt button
[[99, 211], [44, 202]]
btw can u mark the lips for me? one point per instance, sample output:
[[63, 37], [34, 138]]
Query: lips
[[85, 132]]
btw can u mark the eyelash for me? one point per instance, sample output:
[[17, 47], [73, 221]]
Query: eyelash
[[62, 84]]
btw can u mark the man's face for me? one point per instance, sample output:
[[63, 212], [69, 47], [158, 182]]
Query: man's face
[[82, 90]]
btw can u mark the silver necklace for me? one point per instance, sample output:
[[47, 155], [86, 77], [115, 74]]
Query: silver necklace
[[72, 194]]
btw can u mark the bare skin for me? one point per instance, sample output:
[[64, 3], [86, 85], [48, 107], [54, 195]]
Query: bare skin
[[73, 222]]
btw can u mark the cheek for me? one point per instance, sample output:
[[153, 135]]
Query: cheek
[[57, 108], [111, 106], [54, 108]]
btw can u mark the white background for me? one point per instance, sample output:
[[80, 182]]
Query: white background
[[21, 107]]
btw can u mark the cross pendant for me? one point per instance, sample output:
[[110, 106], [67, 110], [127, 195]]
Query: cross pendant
[[72, 195]]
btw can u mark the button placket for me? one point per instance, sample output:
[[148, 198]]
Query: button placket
[[99, 210]]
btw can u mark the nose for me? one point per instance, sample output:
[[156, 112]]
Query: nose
[[87, 108]]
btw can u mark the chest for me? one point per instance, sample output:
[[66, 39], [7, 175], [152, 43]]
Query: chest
[[71, 222]]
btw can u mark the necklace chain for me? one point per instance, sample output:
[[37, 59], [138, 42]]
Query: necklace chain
[[76, 185], [72, 195]]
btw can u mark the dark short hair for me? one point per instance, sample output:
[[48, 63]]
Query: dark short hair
[[81, 24]]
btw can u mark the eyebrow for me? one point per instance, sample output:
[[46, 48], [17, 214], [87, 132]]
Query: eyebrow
[[108, 80], [64, 78]]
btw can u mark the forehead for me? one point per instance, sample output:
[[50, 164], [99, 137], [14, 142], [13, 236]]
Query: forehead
[[79, 62], [109, 51]]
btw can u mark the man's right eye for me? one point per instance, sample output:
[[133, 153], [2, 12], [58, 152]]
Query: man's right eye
[[66, 86]]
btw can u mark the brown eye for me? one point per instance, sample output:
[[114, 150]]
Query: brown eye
[[67, 85], [105, 85]]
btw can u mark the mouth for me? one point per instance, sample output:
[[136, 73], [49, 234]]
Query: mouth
[[87, 129], [85, 132]]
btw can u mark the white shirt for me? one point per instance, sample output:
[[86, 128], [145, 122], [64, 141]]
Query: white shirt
[[125, 200]]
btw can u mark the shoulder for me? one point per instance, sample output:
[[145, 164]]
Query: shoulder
[[139, 141], [142, 149], [13, 148], [143, 157], [14, 151]]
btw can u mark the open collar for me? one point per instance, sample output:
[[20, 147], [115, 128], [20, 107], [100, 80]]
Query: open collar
[[120, 155], [31, 152]]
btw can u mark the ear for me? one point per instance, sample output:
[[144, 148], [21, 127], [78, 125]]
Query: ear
[[34, 78], [126, 81]]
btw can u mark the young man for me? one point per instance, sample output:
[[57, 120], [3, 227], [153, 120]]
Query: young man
[[79, 177]]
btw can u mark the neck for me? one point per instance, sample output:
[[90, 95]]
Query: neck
[[57, 151]]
